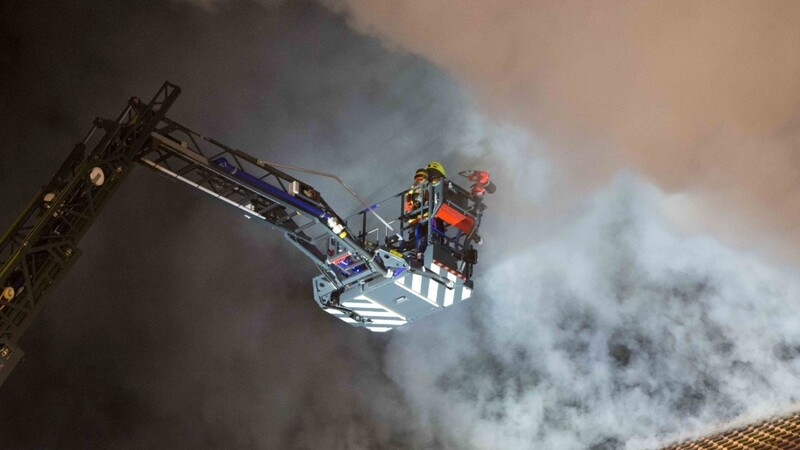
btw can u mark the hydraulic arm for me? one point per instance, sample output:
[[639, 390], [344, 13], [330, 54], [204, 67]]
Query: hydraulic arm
[[377, 277]]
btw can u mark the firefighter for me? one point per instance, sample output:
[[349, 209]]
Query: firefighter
[[413, 198], [420, 177], [416, 197], [435, 172]]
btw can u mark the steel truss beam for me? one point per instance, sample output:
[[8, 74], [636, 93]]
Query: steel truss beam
[[42, 244], [204, 163], [259, 190]]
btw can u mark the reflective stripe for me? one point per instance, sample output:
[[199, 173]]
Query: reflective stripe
[[395, 322], [373, 313], [385, 318], [373, 302], [339, 314], [433, 291], [449, 294], [361, 305], [436, 267], [416, 294], [379, 329], [416, 283]]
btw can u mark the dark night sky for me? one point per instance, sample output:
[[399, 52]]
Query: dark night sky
[[183, 325]]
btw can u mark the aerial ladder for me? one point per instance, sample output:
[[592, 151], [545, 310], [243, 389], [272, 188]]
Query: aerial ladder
[[375, 273]]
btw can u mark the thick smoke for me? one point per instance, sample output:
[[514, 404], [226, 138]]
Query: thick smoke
[[699, 96], [613, 333], [594, 324]]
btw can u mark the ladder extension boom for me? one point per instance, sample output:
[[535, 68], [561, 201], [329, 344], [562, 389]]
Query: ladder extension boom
[[373, 275]]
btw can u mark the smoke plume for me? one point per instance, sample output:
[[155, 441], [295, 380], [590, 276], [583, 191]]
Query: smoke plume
[[701, 97], [616, 323], [613, 333]]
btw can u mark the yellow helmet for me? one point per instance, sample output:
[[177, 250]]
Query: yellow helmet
[[434, 165]]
